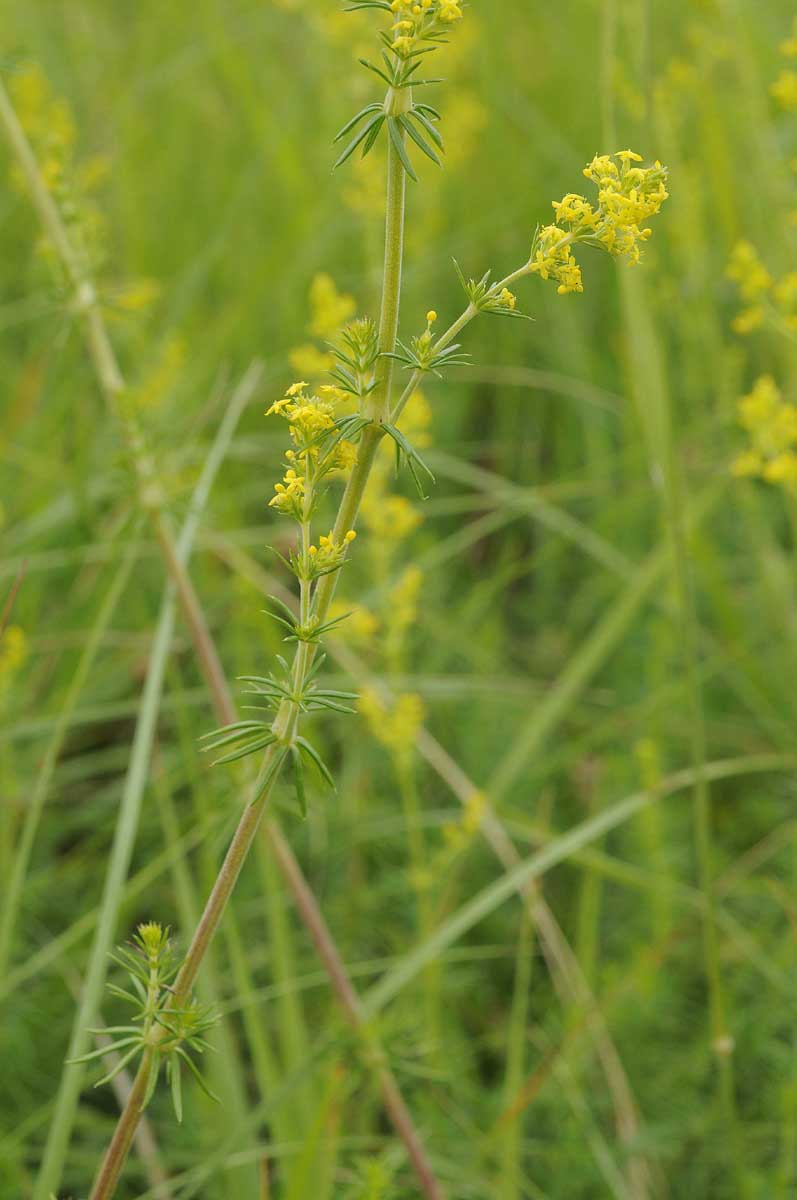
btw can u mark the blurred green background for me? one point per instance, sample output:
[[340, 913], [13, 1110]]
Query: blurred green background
[[538, 604]]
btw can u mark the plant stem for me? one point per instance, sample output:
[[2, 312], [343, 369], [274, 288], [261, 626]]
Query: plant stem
[[119, 1148], [210, 664], [455, 328], [228, 875], [391, 282]]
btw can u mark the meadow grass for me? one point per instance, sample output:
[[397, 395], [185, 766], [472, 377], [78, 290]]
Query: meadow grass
[[580, 878]]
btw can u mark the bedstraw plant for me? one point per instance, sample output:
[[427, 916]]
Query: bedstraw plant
[[338, 430]]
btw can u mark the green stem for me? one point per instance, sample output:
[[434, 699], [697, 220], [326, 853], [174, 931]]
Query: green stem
[[119, 1148], [285, 726], [113, 1162], [391, 284], [445, 339]]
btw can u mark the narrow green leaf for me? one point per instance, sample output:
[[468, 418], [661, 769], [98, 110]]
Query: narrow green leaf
[[434, 133], [152, 1081], [354, 143], [177, 1091], [369, 108], [298, 779], [394, 129], [197, 1074], [420, 142], [313, 754], [120, 1045], [369, 142], [251, 748], [120, 1066], [274, 767]]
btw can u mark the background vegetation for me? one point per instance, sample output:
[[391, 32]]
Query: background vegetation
[[535, 612]]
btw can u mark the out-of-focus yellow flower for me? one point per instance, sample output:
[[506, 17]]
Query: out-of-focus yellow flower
[[784, 90], [330, 309], [307, 359], [748, 320], [395, 726], [403, 600], [390, 518], [771, 423], [459, 834], [361, 624]]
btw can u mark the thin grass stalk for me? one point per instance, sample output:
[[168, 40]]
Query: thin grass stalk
[[651, 393], [557, 851], [510, 1154], [24, 846], [71, 1082]]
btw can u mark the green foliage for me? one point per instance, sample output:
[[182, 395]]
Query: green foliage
[[546, 647], [160, 1032]]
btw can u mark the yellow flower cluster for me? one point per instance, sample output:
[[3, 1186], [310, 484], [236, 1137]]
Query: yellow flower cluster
[[553, 258], [417, 20], [395, 726], [307, 415], [403, 601], [50, 128], [503, 301], [628, 195], [329, 554], [762, 295], [289, 495], [392, 519], [772, 425], [47, 121], [784, 89], [330, 309], [361, 623]]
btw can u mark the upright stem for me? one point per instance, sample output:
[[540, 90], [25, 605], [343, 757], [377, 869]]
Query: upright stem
[[119, 1148], [108, 1176], [116, 1154], [394, 259]]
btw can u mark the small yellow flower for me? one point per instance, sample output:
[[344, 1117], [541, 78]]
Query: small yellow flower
[[310, 360], [784, 90], [329, 554]]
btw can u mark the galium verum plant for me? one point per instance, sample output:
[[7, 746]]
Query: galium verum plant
[[335, 429]]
